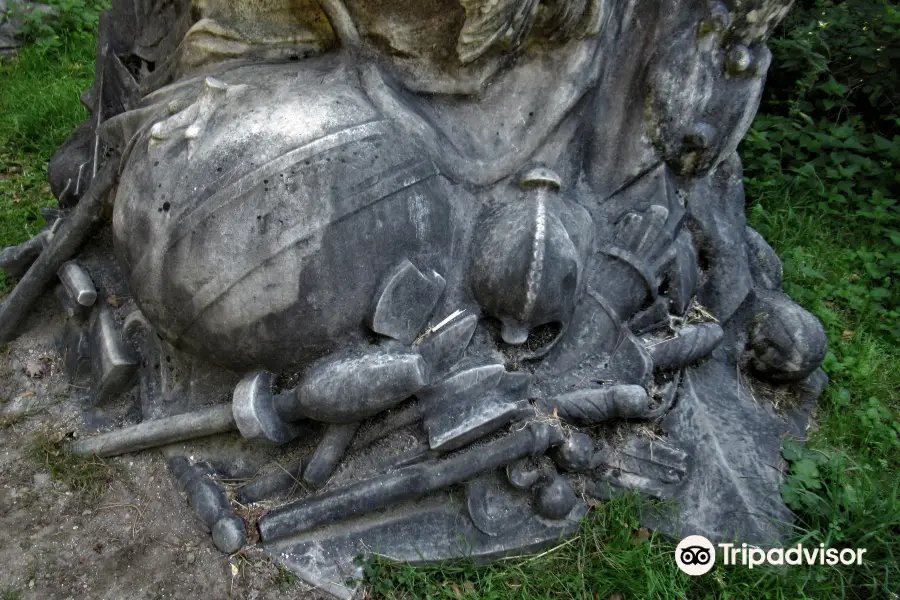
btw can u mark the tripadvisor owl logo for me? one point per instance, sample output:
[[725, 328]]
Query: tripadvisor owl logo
[[695, 555]]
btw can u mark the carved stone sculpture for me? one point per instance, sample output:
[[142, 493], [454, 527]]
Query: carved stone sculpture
[[429, 250]]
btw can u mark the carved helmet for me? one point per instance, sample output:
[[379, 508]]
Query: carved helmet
[[527, 257]]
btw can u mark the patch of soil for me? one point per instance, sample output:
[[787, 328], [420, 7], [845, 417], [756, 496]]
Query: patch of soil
[[136, 538]]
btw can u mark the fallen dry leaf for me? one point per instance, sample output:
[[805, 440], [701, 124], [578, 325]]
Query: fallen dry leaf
[[847, 334]]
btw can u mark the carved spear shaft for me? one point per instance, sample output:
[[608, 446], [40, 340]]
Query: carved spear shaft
[[159, 432], [406, 483]]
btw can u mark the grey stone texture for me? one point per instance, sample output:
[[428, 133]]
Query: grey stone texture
[[210, 502], [692, 343], [112, 364], [329, 452], [576, 453], [158, 432], [255, 412], [432, 249], [420, 533], [15, 260], [77, 283]]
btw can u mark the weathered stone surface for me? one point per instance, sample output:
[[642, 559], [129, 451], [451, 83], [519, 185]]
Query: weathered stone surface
[[654, 317], [717, 212], [77, 283], [158, 432], [596, 405], [787, 342], [556, 499], [348, 390], [372, 206], [732, 440], [113, 366], [430, 230], [576, 453], [405, 302], [73, 310], [15, 260], [210, 503], [266, 487], [229, 534], [75, 347], [329, 452], [471, 404], [443, 349], [535, 241], [140, 337], [255, 412], [682, 275], [765, 266], [425, 532], [491, 506], [406, 483], [206, 496], [654, 468], [521, 476], [71, 169], [690, 344]]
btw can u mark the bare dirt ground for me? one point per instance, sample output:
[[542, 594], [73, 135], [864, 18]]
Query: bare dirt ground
[[132, 536]]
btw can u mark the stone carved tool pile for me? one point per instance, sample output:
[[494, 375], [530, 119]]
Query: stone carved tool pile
[[426, 290]]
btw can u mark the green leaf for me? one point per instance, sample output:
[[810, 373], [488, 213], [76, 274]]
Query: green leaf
[[807, 472]]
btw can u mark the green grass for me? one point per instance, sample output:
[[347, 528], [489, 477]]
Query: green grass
[[10, 594], [851, 500], [607, 558], [88, 476], [39, 104], [862, 361], [284, 579]]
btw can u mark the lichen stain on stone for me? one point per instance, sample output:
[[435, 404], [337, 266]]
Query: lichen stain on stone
[[261, 29], [756, 20]]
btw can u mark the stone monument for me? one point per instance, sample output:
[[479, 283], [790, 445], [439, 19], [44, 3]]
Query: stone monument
[[464, 266]]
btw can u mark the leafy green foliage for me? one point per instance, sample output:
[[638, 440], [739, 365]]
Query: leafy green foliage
[[829, 136], [844, 504], [66, 19], [835, 59], [821, 171]]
